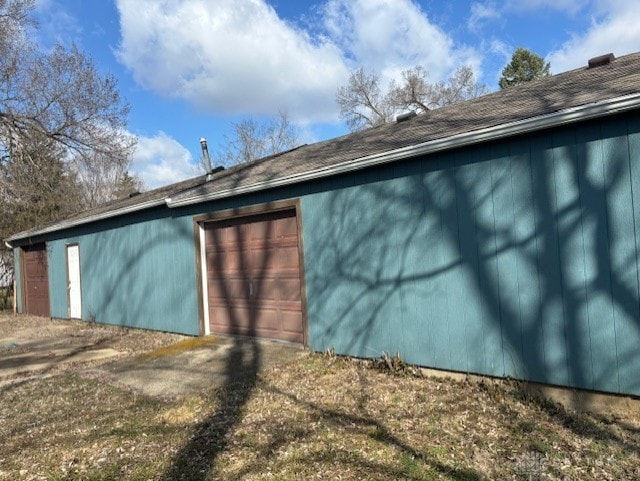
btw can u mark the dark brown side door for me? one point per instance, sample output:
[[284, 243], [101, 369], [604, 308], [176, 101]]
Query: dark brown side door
[[253, 276], [36, 280]]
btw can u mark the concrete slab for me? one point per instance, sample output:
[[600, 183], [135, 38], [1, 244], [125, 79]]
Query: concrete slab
[[227, 360], [189, 365], [19, 364]]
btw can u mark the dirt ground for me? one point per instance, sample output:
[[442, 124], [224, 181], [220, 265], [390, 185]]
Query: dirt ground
[[93, 403]]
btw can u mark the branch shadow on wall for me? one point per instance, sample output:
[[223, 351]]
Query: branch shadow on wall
[[514, 259]]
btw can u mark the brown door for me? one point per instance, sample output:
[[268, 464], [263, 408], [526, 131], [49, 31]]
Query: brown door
[[36, 280], [253, 276]]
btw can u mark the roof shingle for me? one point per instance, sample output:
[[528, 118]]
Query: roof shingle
[[564, 91]]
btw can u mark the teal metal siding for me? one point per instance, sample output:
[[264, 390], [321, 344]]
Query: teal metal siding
[[57, 262], [139, 270], [137, 274], [18, 278], [514, 258]]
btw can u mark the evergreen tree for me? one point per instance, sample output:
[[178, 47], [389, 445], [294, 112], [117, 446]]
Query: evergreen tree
[[524, 67]]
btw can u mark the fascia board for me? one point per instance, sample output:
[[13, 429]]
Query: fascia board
[[66, 224], [555, 119]]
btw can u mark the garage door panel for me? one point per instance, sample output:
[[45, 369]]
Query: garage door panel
[[230, 262], [287, 228], [290, 289], [268, 319], [231, 289], [253, 272], [291, 320], [262, 232], [279, 289], [234, 319], [274, 258]]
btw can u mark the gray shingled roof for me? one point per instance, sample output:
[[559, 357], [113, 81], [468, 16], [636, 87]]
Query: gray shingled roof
[[560, 92], [532, 99]]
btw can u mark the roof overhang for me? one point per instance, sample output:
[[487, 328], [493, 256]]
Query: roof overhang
[[555, 119], [66, 224]]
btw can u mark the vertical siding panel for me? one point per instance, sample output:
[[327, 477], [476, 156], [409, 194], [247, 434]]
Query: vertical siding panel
[[404, 206], [525, 237], [633, 129], [571, 250], [363, 266], [18, 278], [597, 259], [633, 136], [583, 335], [419, 339], [474, 312], [410, 336], [436, 313], [453, 272], [506, 260], [631, 383], [551, 309], [486, 275], [57, 269], [624, 275]]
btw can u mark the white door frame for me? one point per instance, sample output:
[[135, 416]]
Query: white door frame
[[74, 290], [205, 282]]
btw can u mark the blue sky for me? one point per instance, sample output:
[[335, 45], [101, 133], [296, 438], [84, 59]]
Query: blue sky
[[190, 68]]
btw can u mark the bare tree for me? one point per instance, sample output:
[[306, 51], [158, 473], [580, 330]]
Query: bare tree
[[103, 178], [36, 187], [363, 104], [60, 95], [253, 139], [61, 123]]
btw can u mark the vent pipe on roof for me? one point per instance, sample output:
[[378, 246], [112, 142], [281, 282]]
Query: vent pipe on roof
[[601, 60], [205, 155], [405, 117]]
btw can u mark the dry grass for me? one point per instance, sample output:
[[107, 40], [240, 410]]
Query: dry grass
[[323, 417], [132, 341]]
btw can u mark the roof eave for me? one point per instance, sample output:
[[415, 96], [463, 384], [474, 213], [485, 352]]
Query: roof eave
[[561, 117], [554, 119], [66, 224]]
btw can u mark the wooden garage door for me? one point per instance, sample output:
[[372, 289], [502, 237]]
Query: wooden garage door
[[36, 280], [253, 277]]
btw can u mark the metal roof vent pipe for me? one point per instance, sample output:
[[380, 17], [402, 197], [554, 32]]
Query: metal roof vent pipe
[[205, 155], [601, 60], [404, 117]]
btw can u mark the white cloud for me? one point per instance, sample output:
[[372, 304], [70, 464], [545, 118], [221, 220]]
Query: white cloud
[[229, 56], [569, 6], [55, 24], [238, 57], [486, 12], [161, 160], [389, 36], [482, 13], [615, 30]]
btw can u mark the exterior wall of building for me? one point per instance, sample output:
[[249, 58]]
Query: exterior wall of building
[[515, 258], [138, 270], [18, 278]]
